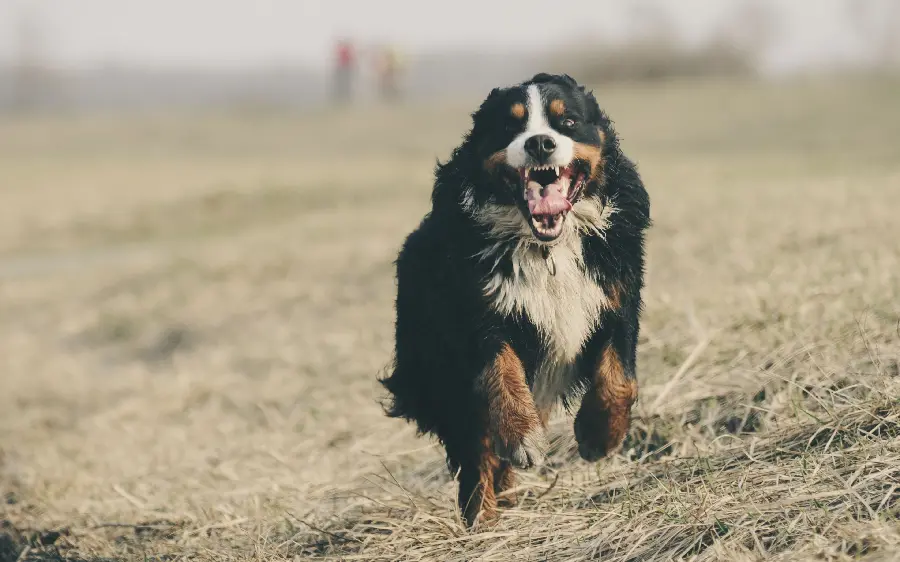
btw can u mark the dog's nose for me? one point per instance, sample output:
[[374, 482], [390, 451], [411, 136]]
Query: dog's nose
[[540, 147]]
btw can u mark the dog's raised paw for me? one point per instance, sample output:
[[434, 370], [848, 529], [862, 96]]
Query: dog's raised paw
[[599, 433]]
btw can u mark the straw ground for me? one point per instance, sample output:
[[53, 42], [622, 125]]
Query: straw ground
[[194, 311]]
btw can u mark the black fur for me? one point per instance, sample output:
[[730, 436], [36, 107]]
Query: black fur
[[446, 330]]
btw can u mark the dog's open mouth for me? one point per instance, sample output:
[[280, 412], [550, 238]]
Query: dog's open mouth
[[549, 193]]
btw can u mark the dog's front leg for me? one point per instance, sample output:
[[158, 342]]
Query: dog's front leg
[[511, 433], [516, 427], [604, 416]]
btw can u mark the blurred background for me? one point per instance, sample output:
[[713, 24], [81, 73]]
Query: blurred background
[[98, 54], [201, 202]]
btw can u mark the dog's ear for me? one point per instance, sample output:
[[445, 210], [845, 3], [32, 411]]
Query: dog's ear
[[544, 78], [488, 102], [480, 120], [495, 93], [541, 78], [491, 98], [566, 79]]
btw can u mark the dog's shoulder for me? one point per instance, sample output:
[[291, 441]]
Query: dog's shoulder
[[618, 255]]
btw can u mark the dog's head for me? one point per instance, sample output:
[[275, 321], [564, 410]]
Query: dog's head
[[537, 147]]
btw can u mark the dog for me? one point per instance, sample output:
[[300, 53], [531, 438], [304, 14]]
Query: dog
[[521, 290]]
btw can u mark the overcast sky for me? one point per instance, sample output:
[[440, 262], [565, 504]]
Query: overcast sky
[[84, 33]]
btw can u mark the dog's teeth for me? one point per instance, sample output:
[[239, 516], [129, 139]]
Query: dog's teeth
[[556, 169]]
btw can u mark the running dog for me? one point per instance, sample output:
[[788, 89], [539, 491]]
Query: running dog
[[521, 289]]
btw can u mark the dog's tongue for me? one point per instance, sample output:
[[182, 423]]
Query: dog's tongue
[[546, 200]]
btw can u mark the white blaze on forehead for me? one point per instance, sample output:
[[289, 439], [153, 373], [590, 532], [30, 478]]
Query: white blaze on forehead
[[537, 118], [539, 125]]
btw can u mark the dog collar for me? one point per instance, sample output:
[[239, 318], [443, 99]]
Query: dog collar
[[548, 259]]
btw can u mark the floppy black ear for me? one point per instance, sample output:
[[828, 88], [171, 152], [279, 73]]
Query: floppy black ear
[[541, 78], [544, 78], [488, 102], [569, 80], [478, 116]]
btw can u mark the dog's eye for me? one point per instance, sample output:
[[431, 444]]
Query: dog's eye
[[568, 123]]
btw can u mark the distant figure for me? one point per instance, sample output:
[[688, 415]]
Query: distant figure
[[389, 69], [345, 62]]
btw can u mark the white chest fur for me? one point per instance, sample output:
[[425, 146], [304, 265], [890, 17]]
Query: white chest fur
[[563, 302], [560, 298]]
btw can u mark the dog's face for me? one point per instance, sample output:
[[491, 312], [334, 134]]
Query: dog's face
[[540, 147]]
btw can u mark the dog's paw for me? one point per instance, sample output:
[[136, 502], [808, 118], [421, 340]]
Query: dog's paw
[[600, 432], [527, 452], [507, 500]]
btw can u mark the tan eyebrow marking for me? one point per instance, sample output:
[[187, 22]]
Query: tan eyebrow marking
[[557, 107], [517, 110]]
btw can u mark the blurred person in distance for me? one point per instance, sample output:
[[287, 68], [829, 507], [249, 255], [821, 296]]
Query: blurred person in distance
[[389, 66], [345, 64]]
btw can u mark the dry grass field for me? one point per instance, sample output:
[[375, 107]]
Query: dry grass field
[[194, 310]]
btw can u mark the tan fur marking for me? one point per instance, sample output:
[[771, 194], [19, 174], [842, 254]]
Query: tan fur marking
[[511, 416], [557, 107], [512, 411], [593, 155], [480, 507], [617, 393], [504, 481], [495, 159], [614, 291], [604, 416], [616, 390], [517, 110]]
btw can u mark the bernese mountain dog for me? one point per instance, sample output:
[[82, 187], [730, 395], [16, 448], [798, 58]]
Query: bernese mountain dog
[[521, 289]]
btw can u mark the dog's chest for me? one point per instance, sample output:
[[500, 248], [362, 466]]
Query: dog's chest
[[562, 301]]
